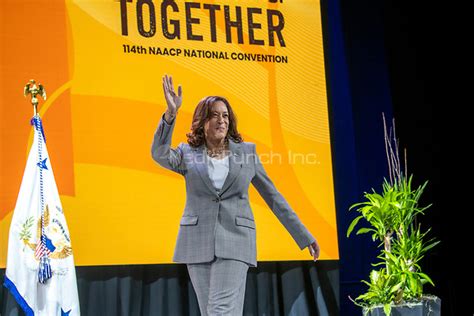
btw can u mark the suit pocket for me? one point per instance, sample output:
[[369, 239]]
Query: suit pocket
[[243, 221], [188, 220]]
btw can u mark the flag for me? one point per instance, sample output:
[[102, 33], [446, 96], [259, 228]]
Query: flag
[[40, 270]]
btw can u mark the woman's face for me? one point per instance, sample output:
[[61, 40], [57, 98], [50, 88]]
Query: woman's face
[[215, 129]]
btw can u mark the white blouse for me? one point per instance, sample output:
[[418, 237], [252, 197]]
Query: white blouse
[[218, 170]]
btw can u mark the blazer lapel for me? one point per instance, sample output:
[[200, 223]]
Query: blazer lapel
[[235, 166], [200, 162]]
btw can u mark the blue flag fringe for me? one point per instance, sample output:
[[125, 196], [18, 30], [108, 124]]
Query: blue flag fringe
[[20, 300]]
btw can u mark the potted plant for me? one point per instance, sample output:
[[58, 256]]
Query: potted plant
[[395, 285]]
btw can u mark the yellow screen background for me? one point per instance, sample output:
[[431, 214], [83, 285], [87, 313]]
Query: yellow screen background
[[104, 105]]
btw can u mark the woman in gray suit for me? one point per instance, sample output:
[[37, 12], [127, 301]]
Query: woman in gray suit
[[216, 236]]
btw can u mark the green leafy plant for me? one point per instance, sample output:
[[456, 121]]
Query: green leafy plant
[[392, 221]]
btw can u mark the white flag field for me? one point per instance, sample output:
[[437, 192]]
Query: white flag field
[[40, 271]]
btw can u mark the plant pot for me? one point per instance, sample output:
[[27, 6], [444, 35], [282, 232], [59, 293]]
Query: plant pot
[[428, 306]]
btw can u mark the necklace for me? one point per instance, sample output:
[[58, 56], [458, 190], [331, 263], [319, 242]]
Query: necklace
[[216, 152]]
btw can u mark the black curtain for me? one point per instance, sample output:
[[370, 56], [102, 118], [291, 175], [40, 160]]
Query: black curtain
[[273, 288]]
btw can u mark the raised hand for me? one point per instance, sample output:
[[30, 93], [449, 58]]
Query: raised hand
[[172, 100]]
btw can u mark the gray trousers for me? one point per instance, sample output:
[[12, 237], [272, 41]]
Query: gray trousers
[[219, 286]]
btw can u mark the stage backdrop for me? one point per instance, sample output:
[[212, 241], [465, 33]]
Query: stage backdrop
[[102, 63]]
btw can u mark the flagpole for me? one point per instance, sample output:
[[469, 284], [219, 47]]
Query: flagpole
[[44, 269], [34, 90]]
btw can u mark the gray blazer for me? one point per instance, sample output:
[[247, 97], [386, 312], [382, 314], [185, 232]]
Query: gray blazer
[[221, 223]]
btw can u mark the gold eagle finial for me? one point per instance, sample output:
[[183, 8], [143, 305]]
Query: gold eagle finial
[[34, 90]]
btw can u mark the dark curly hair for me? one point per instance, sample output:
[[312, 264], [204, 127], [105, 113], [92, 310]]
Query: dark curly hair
[[202, 114]]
